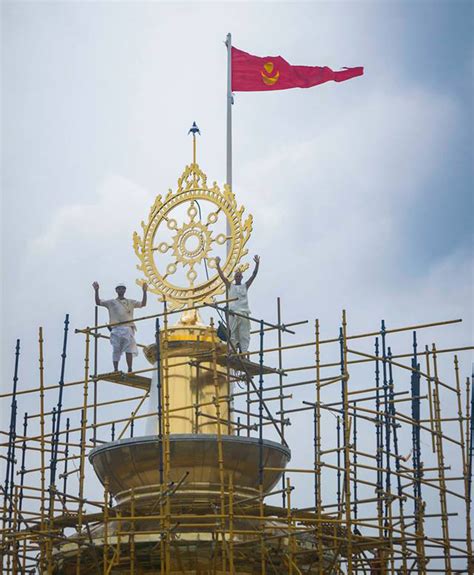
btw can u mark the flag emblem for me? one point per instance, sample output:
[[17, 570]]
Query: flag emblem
[[268, 69]]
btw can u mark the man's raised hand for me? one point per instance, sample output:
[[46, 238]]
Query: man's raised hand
[[144, 286], [249, 282], [95, 285], [220, 272]]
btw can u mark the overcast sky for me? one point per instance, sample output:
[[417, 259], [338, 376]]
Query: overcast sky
[[361, 191]]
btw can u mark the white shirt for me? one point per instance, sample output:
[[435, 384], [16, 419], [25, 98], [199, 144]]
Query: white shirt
[[121, 310], [241, 305]]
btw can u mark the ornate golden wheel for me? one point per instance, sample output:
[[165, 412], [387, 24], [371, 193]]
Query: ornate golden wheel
[[185, 231]]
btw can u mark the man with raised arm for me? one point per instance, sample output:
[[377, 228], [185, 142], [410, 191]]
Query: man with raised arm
[[239, 325], [122, 337]]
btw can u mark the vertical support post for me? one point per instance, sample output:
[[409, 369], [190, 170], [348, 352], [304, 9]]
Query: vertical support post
[[14, 543], [378, 435], [441, 466], [166, 440], [96, 367], [230, 377], [260, 410], [66, 457], [196, 402], [415, 414], [11, 443], [430, 392], [338, 464], [263, 569], [54, 446], [230, 101], [23, 566], [401, 498], [464, 461], [220, 451], [340, 504], [387, 424], [231, 525], [82, 460], [132, 533], [159, 395], [470, 453], [52, 492], [248, 406], [347, 448], [116, 556], [417, 464], [43, 554], [317, 450], [470, 421], [159, 399], [105, 559], [289, 526], [280, 392], [22, 468], [354, 461]]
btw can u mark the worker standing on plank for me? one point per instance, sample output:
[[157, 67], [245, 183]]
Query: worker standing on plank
[[122, 337], [239, 325]]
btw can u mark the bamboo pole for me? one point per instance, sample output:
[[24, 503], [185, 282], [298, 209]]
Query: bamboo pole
[[82, 462], [281, 396], [105, 555], [317, 450], [470, 558], [231, 525], [440, 457], [220, 450], [45, 554]]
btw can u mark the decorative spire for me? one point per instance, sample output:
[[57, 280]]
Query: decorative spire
[[194, 130]]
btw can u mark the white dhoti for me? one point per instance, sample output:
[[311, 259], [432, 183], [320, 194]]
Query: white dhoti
[[239, 331], [122, 339]]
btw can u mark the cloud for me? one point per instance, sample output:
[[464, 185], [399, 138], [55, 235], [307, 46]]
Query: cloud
[[375, 156], [335, 205], [120, 205]]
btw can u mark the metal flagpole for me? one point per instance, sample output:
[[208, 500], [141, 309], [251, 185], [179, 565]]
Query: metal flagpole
[[230, 101]]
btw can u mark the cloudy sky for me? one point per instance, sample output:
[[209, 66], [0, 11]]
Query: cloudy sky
[[361, 192]]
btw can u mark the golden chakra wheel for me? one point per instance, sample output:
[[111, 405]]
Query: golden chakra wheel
[[185, 232]]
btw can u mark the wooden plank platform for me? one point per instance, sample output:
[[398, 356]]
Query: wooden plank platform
[[244, 365], [129, 379], [233, 362], [237, 363]]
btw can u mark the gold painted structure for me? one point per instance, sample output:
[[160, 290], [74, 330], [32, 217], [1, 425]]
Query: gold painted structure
[[192, 239], [183, 467], [192, 384]]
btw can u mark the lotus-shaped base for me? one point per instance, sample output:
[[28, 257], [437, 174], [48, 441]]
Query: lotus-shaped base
[[132, 466]]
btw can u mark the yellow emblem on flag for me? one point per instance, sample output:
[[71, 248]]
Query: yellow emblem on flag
[[269, 80]]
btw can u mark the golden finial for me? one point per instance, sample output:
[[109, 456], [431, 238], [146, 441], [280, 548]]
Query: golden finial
[[194, 130]]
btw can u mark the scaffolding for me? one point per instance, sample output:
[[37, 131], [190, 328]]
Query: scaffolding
[[385, 440]]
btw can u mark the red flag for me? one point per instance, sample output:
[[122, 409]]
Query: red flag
[[255, 74]]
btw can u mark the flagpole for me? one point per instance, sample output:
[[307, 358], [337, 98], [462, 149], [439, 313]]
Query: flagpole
[[230, 101]]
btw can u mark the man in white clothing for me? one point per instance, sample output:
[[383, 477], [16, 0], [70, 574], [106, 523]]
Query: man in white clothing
[[122, 337], [239, 325]]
